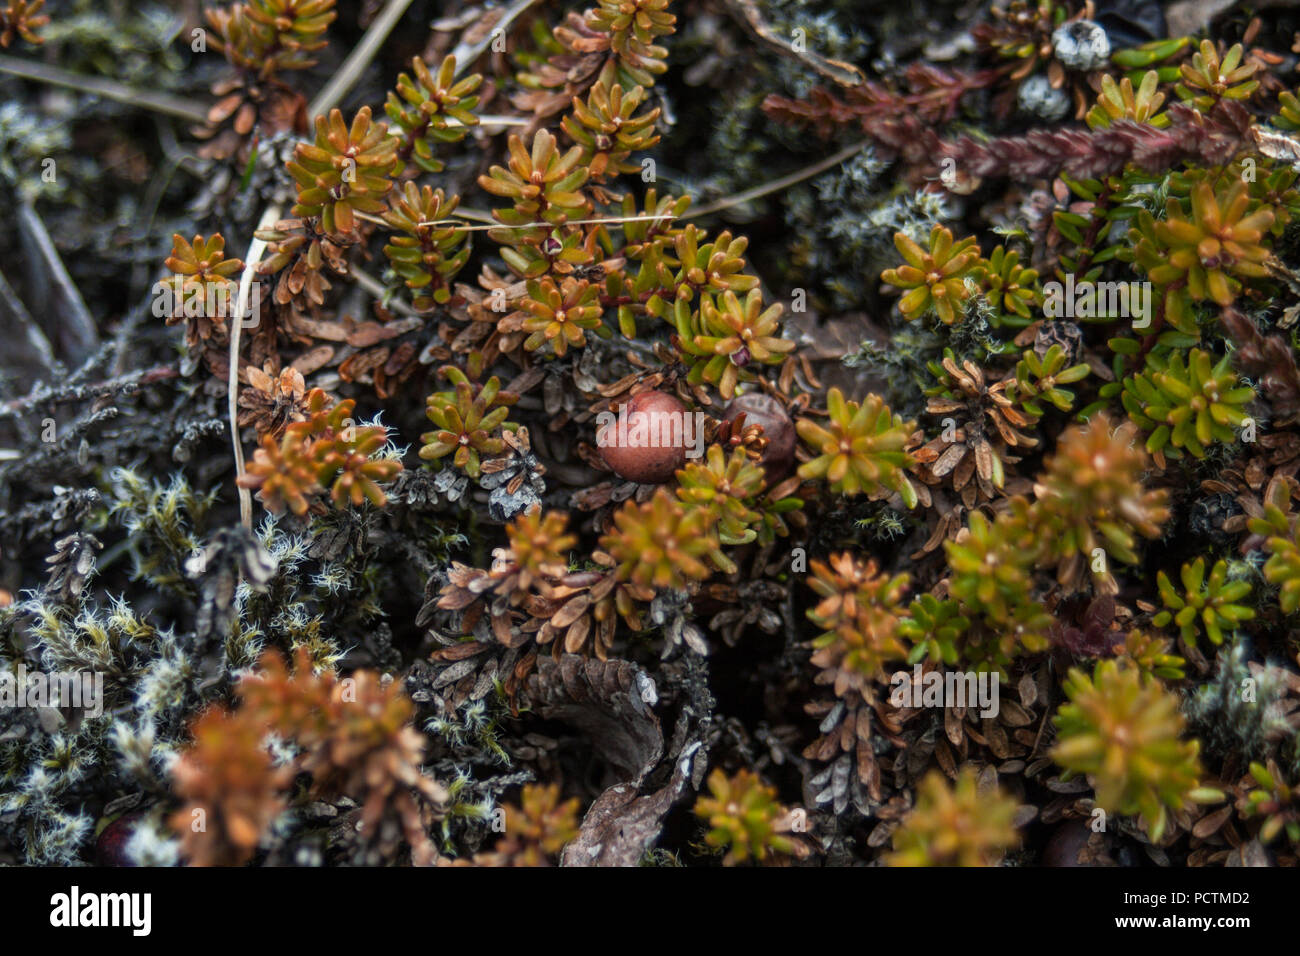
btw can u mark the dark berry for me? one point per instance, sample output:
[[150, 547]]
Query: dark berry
[[110, 845], [769, 414], [1066, 843]]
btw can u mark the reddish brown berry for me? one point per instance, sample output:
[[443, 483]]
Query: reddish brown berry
[[110, 845], [778, 428], [646, 442], [1065, 844]]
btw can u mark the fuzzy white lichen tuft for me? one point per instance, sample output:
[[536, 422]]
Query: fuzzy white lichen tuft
[[1081, 45], [151, 845], [1039, 98]]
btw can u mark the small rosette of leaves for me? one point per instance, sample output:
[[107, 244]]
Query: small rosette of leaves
[[1278, 526], [661, 543], [861, 448], [22, 18], [354, 738], [1091, 495], [1039, 379], [934, 279], [731, 490], [651, 224], [726, 488], [957, 824], [345, 171], [265, 36], [299, 251], [744, 818], [725, 336], [935, 629], [1273, 801], [988, 423], [425, 254], [545, 185], [859, 614], [431, 110], [540, 545], [1208, 78], [347, 465], [632, 27], [1021, 30], [466, 421], [1009, 286], [325, 451], [1211, 601], [701, 267], [1207, 255], [537, 829], [1150, 654], [1086, 222], [1186, 404], [1123, 730], [206, 276], [560, 316], [991, 566], [608, 129], [1119, 101], [226, 772], [1274, 188], [283, 474]]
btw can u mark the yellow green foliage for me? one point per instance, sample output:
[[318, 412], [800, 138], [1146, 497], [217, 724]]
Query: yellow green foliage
[[955, 824]]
